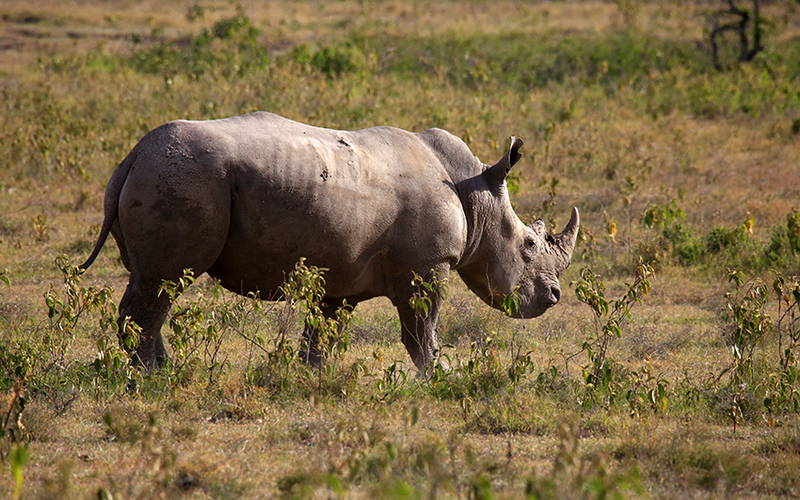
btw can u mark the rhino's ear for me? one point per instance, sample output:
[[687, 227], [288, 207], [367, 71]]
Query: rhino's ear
[[496, 174]]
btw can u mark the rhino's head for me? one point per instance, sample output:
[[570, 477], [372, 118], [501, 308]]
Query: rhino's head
[[509, 258]]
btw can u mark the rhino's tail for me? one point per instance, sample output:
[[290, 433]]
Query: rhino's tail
[[111, 205]]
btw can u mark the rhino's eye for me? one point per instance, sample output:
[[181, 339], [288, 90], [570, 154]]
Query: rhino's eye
[[529, 243]]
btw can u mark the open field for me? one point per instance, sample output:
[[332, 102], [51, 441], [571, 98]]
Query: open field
[[677, 167]]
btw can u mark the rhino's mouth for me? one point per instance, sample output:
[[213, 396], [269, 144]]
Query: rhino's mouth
[[533, 310], [533, 304]]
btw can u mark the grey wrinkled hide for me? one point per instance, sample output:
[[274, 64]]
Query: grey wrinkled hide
[[245, 198]]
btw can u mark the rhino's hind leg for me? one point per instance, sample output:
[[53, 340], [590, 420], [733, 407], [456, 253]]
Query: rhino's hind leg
[[141, 304]]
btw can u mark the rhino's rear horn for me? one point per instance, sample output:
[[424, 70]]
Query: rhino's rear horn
[[566, 239], [496, 174]]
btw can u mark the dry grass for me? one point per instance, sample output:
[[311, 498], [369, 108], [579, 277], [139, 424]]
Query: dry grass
[[70, 118]]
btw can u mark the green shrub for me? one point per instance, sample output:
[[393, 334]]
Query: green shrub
[[784, 245], [345, 58], [231, 49], [237, 27], [720, 238]]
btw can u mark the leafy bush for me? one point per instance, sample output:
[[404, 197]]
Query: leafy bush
[[784, 245], [344, 58], [237, 28], [231, 49], [761, 384], [721, 247], [282, 369], [481, 373]]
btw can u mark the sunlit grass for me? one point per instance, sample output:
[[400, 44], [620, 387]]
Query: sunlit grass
[[621, 112]]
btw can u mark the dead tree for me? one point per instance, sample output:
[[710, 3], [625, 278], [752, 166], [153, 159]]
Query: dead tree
[[746, 51]]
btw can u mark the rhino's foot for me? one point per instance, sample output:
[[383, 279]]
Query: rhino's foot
[[149, 363], [149, 355], [425, 373]]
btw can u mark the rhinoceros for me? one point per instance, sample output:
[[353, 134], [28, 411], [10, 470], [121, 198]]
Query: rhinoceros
[[245, 198]]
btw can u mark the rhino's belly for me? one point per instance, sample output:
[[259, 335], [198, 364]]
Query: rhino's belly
[[265, 242], [256, 270]]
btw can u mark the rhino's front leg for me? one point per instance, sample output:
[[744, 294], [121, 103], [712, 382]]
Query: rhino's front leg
[[419, 333]]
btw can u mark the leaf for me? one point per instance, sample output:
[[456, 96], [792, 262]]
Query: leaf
[[611, 229], [17, 457], [510, 304], [334, 484], [748, 223]]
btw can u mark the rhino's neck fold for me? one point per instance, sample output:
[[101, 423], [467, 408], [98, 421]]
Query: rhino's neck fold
[[476, 202]]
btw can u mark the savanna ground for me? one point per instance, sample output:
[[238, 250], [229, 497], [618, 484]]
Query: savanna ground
[[693, 173]]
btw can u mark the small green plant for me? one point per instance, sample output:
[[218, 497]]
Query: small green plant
[[40, 228], [645, 390], [668, 219], [304, 292], [480, 373], [749, 321], [64, 313], [787, 293], [238, 26], [17, 457], [720, 238], [16, 359], [605, 377], [281, 368], [483, 372], [198, 330], [344, 58], [609, 317], [510, 303], [662, 216], [392, 382], [195, 12], [231, 49]]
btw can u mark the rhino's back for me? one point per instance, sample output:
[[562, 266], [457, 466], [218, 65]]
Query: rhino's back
[[365, 204]]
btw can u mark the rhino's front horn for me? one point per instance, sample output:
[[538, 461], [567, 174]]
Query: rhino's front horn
[[567, 238]]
